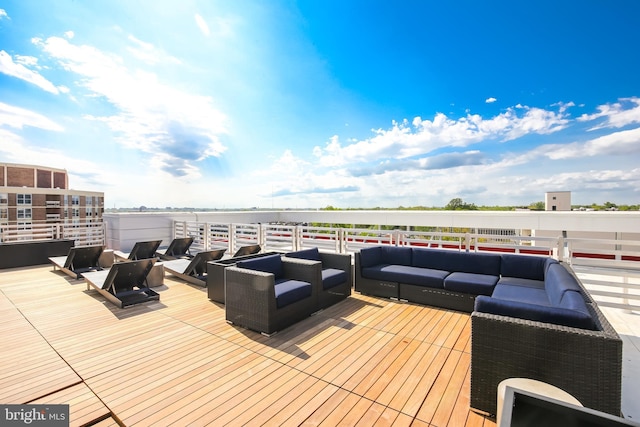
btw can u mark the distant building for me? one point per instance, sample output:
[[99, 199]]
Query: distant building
[[557, 201], [38, 194]]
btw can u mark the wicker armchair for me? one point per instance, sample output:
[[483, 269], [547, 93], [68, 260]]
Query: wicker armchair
[[585, 363], [337, 275], [267, 299]]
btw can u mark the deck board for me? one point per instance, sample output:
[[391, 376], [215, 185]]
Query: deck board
[[365, 361]]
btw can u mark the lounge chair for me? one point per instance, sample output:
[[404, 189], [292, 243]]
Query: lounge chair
[[141, 250], [247, 250], [336, 275], [270, 293], [79, 260], [193, 270], [125, 283], [178, 248]]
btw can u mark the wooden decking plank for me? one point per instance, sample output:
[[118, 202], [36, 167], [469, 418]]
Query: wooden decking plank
[[446, 408], [308, 386], [439, 388], [238, 391], [261, 396], [423, 388], [150, 383], [84, 406], [397, 345], [399, 381], [364, 361], [170, 398]]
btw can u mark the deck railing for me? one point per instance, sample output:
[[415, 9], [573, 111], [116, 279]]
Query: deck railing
[[83, 233], [610, 268]]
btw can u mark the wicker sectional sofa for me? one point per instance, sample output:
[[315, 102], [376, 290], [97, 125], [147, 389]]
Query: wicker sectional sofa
[[530, 317]]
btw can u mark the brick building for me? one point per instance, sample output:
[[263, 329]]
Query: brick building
[[38, 194]]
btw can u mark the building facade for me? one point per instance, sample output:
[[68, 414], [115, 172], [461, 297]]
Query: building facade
[[38, 194], [557, 201]]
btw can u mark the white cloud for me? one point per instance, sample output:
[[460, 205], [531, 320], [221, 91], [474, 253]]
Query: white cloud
[[19, 118], [622, 113], [176, 128], [14, 69], [490, 100], [69, 34], [149, 53], [3, 14], [424, 136], [202, 24]]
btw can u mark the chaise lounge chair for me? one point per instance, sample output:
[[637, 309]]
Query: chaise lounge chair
[[178, 248], [79, 260], [141, 250], [247, 250], [125, 283], [193, 270]]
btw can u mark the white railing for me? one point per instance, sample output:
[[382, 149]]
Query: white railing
[[83, 233], [611, 268]]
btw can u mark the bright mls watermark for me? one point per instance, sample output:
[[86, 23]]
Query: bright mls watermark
[[35, 415]]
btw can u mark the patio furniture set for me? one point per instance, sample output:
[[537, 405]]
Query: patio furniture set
[[531, 317]]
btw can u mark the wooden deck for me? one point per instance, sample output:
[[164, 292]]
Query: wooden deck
[[365, 361]]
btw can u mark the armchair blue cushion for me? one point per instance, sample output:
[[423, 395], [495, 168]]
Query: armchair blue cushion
[[268, 264], [290, 291], [335, 273], [312, 254]]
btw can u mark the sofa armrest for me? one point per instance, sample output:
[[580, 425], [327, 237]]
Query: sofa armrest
[[585, 363]]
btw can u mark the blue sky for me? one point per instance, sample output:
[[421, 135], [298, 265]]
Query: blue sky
[[361, 103]]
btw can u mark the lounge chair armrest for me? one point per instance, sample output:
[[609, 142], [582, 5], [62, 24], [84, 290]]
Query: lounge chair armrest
[[337, 261], [250, 289], [302, 269]]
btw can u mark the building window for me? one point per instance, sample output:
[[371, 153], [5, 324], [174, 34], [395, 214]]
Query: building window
[[4, 199], [75, 200], [23, 199], [24, 213]]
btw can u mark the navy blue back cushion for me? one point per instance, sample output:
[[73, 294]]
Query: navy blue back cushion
[[268, 264], [559, 281], [476, 263], [370, 256], [431, 258], [311, 254], [523, 266], [396, 255]]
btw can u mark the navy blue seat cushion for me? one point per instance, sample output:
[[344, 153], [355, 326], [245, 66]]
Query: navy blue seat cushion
[[406, 274], [523, 266], [523, 310], [559, 281], [332, 277], [521, 294], [268, 264], [470, 283], [311, 254], [291, 291], [518, 281]]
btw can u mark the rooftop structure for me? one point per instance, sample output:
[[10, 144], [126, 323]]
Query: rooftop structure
[[365, 360], [37, 194]]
